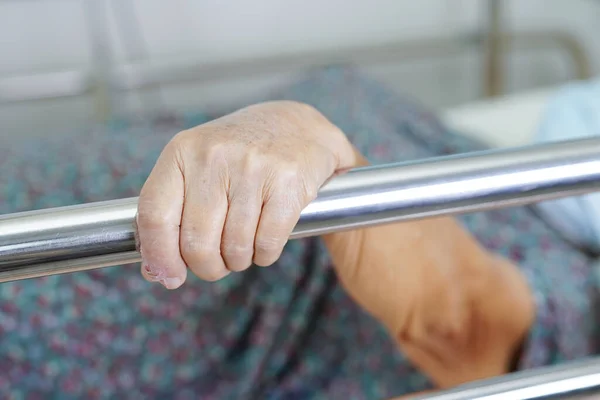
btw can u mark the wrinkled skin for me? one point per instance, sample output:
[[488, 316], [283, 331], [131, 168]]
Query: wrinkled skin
[[228, 193]]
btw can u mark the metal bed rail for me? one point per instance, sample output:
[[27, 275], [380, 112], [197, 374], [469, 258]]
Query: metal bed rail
[[142, 76], [570, 381], [68, 239]]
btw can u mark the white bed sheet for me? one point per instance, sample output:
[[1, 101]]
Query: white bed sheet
[[506, 121]]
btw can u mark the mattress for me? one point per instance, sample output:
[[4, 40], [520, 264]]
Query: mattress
[[507, 121]]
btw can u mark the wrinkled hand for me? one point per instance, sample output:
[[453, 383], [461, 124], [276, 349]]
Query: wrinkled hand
[[229, 192]]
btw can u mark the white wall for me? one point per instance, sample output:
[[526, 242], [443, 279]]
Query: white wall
[[51, 34]]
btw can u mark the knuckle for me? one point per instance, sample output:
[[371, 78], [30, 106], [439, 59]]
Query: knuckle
[[214, 151], [289, 173], [253, 164], [181, 142], [203, 260], [149, 218], [203, 146], [268, 244], [293, 182], [237, 257], [194, 250], [286, 208], [237, 251], [181, 136]]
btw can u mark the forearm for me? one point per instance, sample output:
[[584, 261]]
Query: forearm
[[458, 312], [462, 314]]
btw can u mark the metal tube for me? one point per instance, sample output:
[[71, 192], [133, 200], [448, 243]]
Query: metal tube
[[576, 380], [44, 86], [52, 241], [96, 15], [554, 39], [494, 49], [148, 76]]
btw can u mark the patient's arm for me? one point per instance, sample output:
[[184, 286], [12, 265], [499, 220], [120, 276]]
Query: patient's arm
[[457, 311]]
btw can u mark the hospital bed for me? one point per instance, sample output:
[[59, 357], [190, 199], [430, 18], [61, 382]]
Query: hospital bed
[[87, 236], [67, 240], [71, 239]]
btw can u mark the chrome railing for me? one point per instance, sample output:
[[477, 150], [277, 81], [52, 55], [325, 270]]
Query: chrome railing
[[68, 239]]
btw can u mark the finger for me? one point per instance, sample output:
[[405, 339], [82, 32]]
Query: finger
[[157, 221], [279, 216], [204, 214], [237, 244]]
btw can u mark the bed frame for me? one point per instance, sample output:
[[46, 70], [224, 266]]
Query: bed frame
[[101, 234], [105, 81]]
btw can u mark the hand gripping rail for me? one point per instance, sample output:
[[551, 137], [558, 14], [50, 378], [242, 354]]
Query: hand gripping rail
[[74, 238], [81, 237]]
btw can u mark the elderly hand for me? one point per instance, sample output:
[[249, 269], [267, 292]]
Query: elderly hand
[[229, 192]]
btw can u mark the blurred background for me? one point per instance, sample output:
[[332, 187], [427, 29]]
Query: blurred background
[[487, 66]]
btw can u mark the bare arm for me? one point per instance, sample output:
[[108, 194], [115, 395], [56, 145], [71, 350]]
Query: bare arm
[[457, 311]]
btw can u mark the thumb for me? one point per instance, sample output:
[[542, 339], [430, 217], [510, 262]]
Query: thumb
[[158, 220]]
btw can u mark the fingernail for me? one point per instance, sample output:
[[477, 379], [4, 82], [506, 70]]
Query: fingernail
[[171, 283]]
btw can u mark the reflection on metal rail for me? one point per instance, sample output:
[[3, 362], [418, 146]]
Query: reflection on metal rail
[[87, 236], [578, 380]]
